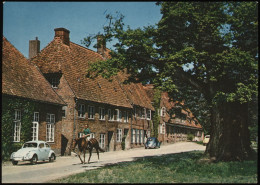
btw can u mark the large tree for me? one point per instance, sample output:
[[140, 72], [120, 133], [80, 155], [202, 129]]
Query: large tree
[[204, 52]]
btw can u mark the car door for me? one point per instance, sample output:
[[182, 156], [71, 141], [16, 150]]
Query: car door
[[41, 151], [47, 150]]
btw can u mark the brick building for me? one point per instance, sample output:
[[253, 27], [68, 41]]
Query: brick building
[[102, 104], [23, 82], [175, 127]]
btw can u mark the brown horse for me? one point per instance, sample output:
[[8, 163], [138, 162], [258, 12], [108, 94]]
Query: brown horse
[[84, 145]]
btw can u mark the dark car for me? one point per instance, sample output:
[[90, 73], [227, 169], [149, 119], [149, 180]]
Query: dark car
[[152, 142]]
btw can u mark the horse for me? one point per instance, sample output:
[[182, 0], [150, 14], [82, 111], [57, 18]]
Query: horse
[[84, 145]]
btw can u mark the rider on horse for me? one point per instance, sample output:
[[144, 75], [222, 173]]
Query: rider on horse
[[86, 133]]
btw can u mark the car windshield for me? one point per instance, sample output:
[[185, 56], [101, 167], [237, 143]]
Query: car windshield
[[30, 145]]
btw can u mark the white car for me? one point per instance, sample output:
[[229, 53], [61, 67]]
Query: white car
[[33, 151]]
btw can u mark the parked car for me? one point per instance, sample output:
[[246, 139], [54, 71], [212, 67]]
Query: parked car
[[33, 151], [206, 140], [152, 142]]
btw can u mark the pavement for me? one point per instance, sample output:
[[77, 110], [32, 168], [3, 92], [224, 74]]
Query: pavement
[[64, 166]]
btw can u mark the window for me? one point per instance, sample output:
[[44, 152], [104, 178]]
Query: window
[[50, 127], [135, 112], [133, 135], [102, 140], [118, 115], [64, 108], [81, 111], [143, 113], [137, 136], [139, 113], [148, 114], [35, 126], [125, 115], [141, 136], [101, 113], [119, 135], [55, 82], [17, 125], [110, 115], [163, 113], [162, 128], [91, 112], [92, 135]]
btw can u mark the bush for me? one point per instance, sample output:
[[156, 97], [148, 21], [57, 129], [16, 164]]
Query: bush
[[190, 137]]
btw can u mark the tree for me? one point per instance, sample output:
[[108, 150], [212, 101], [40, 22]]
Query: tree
[[196, 52]]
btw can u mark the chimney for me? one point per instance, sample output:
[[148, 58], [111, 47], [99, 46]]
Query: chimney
[[34, 47], [64, 35], [101, 45]]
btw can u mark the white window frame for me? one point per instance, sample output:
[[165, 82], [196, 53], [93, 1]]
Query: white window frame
[[163, 111], [64, 108], [162, 128], [102, 139], [110, 115], [135, 112], [81, 111], [118, 115], [35, 127], [50, 127], [17, 125], [125, 115], [119, 135], [143, 113], [148, 114], [101, 113], [137, 136], [91, 112], [133, 135], [141, 136]]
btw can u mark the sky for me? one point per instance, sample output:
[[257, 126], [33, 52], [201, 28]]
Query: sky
[[24, 21]]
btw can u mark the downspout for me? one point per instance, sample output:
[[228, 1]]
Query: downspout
[[131, 128], [74, 117]]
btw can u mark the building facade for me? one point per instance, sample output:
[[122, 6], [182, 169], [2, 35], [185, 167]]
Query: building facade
[[31, 109], [102, 104]]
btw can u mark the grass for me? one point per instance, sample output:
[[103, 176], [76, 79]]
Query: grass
[[173, 168]]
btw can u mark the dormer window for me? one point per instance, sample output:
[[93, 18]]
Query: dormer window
[[55, 82], [53, 78]]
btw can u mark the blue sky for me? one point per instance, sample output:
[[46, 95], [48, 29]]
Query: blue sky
[[23, 21]]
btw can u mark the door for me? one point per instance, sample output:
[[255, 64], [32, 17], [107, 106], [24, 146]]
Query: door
[[110, 141]]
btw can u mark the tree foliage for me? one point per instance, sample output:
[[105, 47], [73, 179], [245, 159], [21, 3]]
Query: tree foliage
[[9, 105], [203, 52]]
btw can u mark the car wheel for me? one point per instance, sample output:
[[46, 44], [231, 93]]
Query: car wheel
[[14, 162], [52, 158], [34, 159]]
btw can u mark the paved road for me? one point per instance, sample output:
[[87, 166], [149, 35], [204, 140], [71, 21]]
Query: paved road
[[68, 165]]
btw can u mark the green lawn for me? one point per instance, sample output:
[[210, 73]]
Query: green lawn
[[174, 168]]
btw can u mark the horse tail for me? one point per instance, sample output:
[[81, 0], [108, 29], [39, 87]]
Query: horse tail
[[101, 149]]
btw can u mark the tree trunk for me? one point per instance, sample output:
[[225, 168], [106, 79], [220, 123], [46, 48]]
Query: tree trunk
[[229, 140]]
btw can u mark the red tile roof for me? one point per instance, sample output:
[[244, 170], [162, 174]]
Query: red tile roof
[[136, 93], [72, 61], [22, 78]]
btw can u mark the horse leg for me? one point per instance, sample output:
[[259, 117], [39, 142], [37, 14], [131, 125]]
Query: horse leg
[[97, 153], [84, 155], [80, 157], [90, 153]]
